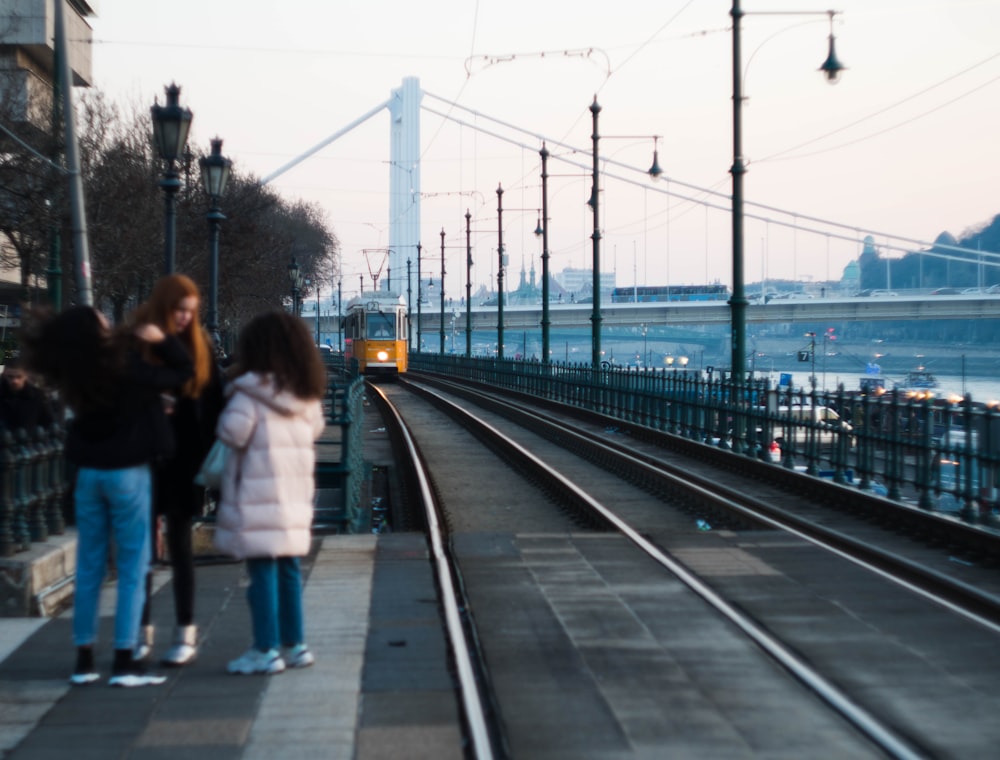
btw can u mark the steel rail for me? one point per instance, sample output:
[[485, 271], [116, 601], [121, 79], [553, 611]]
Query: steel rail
[[472, 704], [880, 734], [975, 605]]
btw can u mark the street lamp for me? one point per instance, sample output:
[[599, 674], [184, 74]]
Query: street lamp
[[502, 262], [441, 351], [214, 175], [654, 172], [468, 283], [171, 124], [644, 328], [812, 357], [500, 265], [831, 69], [543, 227], [295, 280], [319, 336], [419, 311]]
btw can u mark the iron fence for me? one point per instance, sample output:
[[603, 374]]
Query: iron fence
[[937, 454]]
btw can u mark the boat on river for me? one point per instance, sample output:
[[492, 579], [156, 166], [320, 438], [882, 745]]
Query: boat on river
[[918, 381]]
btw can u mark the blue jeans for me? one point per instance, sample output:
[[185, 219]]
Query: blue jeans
[[275, 599], [111, 503]]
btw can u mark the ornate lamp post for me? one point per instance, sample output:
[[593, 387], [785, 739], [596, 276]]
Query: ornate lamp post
[[171, 124], [295, 280], [215, 170]]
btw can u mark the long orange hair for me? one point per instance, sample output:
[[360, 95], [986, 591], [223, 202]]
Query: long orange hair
[[159, 308]]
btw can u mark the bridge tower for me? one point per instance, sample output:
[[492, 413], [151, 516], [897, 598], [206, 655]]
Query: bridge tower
[[404, 181]]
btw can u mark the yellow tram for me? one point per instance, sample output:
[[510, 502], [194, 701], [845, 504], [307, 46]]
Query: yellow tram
[[375, 332]]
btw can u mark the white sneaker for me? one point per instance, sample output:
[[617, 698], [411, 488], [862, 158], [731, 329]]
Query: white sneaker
[[144, 646], [254, 661], [135, 675], [299, 656], [184, 647]]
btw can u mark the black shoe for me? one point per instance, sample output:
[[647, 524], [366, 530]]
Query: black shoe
[[128, 672], [84, 672]]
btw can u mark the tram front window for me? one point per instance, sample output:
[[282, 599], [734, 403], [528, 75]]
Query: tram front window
[[380, 327]]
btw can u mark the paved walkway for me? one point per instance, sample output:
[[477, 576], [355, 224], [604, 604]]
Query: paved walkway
[[365, 600]]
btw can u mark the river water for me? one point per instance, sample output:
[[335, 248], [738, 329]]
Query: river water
[[980, 388]]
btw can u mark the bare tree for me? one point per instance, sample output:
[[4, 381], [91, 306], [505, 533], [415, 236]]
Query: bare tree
[[125, 219]]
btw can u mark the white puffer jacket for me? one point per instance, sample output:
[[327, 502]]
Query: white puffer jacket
[[268, 484]]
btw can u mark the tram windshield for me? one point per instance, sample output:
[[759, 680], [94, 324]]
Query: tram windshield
[[381, 326]]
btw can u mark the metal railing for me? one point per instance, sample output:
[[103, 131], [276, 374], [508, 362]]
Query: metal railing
[[342, 479], [936, 454], [35, 477], [33, 487]]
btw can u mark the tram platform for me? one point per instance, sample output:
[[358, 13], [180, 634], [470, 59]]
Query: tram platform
[[380, 687]]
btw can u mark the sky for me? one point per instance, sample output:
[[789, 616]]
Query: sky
[[903, 148]]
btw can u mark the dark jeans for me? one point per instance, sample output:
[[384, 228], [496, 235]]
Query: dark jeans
[[275, 598], [179, 546]]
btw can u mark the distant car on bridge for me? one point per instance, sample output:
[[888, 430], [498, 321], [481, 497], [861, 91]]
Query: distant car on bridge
[[875, 293]]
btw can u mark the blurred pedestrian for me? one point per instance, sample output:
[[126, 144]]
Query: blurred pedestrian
[[118, 427], [22, 403], [194, 408], [273, 416]]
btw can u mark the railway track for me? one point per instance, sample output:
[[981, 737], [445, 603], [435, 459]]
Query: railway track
[[833, 585]]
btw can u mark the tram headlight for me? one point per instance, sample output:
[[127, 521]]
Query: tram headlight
[[382, 356]]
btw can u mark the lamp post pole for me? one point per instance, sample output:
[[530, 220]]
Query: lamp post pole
[[595, 317], [499, 272], [645, 363], [215, 170], [831, 69], [419, 313], [171, 124], [409, 301], [215, 217], [468, 283], [546, 321], [812, 357], [340, 334], [738, 302], [441, 350], [294, 279]]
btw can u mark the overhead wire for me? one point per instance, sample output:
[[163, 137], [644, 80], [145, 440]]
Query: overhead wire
[[886, 109], [853, 237]]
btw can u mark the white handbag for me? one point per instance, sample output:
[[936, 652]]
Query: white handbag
[[210, 474]]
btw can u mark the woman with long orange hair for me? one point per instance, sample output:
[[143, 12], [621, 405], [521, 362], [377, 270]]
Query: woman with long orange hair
[[193, 409]]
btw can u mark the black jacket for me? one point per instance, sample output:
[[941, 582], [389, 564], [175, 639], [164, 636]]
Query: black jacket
[[193, 423], [133, 430], [27, 408]]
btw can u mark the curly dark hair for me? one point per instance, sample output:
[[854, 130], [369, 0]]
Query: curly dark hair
[[281, 345], [76, 352]]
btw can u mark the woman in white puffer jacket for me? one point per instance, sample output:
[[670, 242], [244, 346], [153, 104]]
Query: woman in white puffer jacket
[[272, 418]]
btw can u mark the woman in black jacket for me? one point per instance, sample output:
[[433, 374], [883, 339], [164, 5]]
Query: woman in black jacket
[[117, 429], [173, 308]]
